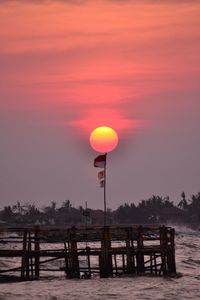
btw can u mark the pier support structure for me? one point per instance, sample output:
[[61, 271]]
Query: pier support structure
[[106, 251]]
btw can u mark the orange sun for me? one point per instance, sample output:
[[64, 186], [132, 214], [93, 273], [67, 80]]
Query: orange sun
[[103, 139]]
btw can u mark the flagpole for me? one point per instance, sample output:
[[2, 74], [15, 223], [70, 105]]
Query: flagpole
[[105, 208], [100, 162]]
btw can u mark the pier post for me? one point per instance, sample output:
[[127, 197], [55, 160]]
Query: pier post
[[129, 254], [73, 262], [24, 259], [105, 258], [140, 254], [37, 252], [66, 257], [171, 263], [88, 262], [163, 249], [26, 262]]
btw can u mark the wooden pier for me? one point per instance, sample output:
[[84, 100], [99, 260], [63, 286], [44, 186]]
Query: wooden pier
[[84, 252]]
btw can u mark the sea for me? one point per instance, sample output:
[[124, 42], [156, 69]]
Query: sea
[[186, 285]]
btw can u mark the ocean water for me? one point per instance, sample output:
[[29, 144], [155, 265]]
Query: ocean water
[[185, 286]]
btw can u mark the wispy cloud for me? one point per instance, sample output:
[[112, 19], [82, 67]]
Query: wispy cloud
[[74, 2], [43, 1], [122, 2]]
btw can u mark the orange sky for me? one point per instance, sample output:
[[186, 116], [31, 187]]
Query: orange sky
[[68, 66]]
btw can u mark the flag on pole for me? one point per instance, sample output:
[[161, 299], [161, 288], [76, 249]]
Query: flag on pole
[[101, 175], [102, 183], [100, 161]]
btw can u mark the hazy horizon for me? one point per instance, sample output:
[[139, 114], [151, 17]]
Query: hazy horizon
[[67, 67]]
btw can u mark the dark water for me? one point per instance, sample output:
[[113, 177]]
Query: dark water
[[185, 286]]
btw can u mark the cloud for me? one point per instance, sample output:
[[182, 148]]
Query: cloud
[[156, 1], [122, 2], [42, 1]]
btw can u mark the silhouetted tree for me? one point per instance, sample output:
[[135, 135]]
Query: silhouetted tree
[[7, 214], [183, 203]]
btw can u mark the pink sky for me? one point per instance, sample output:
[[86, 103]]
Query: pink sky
[[69, 66]]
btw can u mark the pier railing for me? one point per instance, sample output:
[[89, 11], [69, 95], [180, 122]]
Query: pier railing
[[83, 252]]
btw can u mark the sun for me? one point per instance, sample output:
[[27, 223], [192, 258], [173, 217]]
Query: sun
[[103, 139]]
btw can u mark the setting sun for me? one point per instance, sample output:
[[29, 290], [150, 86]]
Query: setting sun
[[103, 139]]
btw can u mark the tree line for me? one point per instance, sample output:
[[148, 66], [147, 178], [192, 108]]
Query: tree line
[[154, 210]]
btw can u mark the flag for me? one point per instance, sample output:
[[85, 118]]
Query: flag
[[102, 183], [101, 175], [100, 161]]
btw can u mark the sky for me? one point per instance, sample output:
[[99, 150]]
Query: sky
[[68, 66]]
